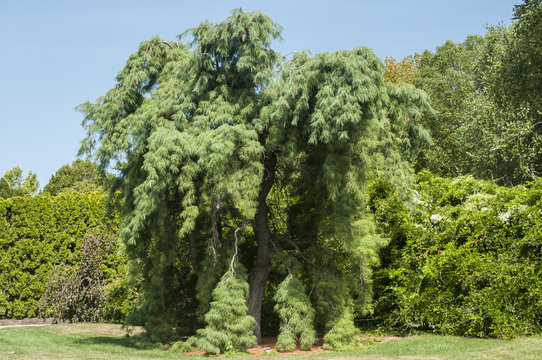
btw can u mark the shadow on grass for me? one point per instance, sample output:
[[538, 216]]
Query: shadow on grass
[[136, 342]]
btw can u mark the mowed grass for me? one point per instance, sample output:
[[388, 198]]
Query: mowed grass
[[98, 341]]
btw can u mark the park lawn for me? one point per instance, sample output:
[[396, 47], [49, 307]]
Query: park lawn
[[99, 341]]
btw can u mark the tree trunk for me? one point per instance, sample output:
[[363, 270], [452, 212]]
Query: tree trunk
[[258, 277], [194, 253]]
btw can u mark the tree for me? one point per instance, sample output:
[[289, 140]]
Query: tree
[[296, 314], [401, 71], [204, 135], [486, 125], [522, 71], [13, 184], [80, 176], [228, 325], [519, 85]]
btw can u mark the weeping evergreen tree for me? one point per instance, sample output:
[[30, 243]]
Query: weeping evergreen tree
[[228, 325], [296, 314], [201, 132]]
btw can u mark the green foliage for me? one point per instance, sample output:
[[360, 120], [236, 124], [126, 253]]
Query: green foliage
[[450, 78], [228, 328], [335, 304], [80, 176], [342, 333], [13, 184], [120, 300], [296, 315], [36, 235], [467, 262], [521, 64], [486, 93], [77, 295], [200, 134], [402, 71]]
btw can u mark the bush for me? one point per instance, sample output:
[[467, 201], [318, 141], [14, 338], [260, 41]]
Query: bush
[[39, 233], [229, 328], [78, 294], [467, 260], [120, 300], [296, 315]]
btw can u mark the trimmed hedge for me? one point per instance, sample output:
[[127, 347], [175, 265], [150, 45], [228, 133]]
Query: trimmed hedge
[[38, 233], [467, 260]]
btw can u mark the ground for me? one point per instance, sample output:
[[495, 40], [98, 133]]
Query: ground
[[105, 341]]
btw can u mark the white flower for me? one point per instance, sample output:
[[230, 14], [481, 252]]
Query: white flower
[[420, 226], [436, 218], [504, 217]]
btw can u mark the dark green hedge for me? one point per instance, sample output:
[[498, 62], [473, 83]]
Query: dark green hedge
[[36, 234], [467, 258]]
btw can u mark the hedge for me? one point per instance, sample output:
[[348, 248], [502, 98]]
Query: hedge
[[38, 233], [466, 258]]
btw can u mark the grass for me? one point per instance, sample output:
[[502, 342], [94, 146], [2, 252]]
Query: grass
[[95, 341]]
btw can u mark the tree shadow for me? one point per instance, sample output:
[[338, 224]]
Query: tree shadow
[[138, 342]]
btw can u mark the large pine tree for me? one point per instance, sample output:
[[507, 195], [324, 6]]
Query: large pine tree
[[205, 134]]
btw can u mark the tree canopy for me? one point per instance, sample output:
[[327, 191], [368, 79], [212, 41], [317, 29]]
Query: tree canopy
[[14, 184], [252, 160], [486, 91], [80, 176]]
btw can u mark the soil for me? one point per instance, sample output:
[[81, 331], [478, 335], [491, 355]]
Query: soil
[[269, 342]]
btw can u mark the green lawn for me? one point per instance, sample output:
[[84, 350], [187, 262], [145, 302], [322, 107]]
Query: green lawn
[[82, 341]]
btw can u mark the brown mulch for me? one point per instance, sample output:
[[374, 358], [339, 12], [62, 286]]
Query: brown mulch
[[269, 342], [316, 348]]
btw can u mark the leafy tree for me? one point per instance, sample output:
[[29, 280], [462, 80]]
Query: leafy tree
[[200, 135], [80, 176], [402, 71], [522, 73], [14, 184], [447, 77], [479, 130]]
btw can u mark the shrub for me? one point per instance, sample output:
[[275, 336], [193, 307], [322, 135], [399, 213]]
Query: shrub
[[296, 314], [467, 260], [39, 233], [120, 300], [229, 328], [78, 294]]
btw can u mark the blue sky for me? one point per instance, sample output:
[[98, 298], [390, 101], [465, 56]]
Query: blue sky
[[57, 54]]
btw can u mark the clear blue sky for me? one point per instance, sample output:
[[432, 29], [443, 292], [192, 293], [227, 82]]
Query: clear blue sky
[[57, 54]]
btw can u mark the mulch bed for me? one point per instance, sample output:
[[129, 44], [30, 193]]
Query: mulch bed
[[269, 342]]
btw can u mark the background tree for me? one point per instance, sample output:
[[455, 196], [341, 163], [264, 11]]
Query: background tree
[[522, 70], [80, 176], [482, 127], [14, 184], [201, 134], [402, 71]]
